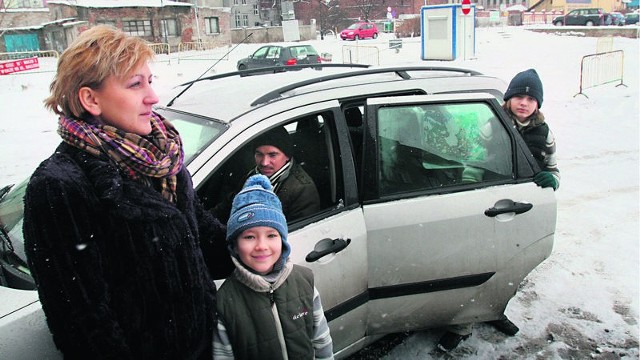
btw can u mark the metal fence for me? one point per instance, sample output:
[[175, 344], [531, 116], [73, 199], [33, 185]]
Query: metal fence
[[160, 48], [28, 54], [366, 55], [601, 68], [198, 45]]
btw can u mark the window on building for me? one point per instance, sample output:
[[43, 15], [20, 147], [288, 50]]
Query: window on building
[[236, 2], [256, 11], [244, 2], [212, 25], [137, 27], [169, 27], [238, 21], [106, 22], [245, 20]]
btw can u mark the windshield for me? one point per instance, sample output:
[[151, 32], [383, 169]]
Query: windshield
[[197, 134]]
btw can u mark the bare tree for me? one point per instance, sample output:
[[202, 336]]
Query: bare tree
[[4, 19], [369, 8], [330, 16]]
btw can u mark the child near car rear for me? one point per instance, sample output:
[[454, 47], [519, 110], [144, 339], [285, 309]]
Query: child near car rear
[[268, 308]]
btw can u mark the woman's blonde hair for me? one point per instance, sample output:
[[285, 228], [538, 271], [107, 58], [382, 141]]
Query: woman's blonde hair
[[96, 54]]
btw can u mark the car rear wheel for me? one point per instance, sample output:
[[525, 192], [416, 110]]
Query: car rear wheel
[[589, 23], [375, 35]]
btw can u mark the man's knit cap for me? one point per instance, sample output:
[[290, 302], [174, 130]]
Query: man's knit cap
[[278, 137]]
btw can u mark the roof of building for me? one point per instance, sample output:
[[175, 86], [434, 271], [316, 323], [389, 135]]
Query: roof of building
[[119, 3]]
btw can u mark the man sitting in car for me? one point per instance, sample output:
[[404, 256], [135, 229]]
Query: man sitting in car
[[294, 187]]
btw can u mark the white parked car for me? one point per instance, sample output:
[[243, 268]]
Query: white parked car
[[429, 215]]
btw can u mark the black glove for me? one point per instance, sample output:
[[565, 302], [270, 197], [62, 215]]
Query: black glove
[[545, 179]]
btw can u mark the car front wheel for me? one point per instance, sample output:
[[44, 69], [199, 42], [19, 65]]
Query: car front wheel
[[558, 23], [356, 37], [242, 67], [375, 35]]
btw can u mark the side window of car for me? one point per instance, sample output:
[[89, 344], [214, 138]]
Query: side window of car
[[313, 148], [316, 150], [260, 53], [436, 146], [274, 52]]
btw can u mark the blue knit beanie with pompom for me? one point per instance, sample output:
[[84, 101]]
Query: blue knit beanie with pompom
[[257, 205]]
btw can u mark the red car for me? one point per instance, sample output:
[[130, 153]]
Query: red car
[[360, 30]]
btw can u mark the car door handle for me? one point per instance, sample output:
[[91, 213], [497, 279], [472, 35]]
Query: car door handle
[[326, 247], [509, 207]]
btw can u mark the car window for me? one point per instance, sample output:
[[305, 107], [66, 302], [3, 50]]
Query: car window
[[314, 148], [273, 53], [435, 146], [14, 272], [197, 133], [261, 53]]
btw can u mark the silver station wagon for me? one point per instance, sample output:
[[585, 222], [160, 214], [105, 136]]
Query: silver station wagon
[[429, 213]]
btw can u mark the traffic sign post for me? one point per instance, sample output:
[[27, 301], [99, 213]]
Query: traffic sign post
[[466, 7]]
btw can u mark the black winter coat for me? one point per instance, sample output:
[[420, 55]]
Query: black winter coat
[[119, 269]]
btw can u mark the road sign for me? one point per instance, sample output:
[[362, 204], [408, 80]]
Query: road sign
[[466, 7]]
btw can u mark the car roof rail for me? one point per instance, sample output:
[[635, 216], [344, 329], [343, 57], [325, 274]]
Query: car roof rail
[[401, 71], [265, 70]]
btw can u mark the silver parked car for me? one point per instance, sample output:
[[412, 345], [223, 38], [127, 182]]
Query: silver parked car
[[429, 215]]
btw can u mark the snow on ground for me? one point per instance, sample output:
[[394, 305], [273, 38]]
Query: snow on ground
[[582, 302]]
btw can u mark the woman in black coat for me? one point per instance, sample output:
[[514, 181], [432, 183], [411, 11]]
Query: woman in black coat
[[114, 233]]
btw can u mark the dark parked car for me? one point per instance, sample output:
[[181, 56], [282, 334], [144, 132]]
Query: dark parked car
[[276, 55], [360, 30], [429, 214], [616, 19], [631, 18], [583, 17]]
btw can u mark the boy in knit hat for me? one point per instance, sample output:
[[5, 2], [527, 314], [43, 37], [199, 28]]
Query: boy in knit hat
[[523, 100], [268, 308]]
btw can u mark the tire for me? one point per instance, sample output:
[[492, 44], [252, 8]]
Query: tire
[[242, 67], [375, 35], [558, 23], [589, 23], [356, 37]]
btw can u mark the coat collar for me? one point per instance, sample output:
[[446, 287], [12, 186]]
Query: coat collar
[[129, 198]]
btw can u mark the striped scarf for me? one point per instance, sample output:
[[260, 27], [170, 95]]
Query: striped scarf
[[278, 177], [158, 155]]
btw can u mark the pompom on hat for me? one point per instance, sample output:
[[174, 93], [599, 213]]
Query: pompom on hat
[[257, 205], [525, 83]]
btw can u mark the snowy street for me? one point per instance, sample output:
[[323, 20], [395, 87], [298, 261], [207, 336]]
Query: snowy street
[[583, 301]]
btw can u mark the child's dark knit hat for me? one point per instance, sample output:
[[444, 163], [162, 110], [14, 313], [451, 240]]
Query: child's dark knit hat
[[257, 205], [525, 83]]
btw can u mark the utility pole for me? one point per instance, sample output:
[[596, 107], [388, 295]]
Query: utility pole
[[197, 23]]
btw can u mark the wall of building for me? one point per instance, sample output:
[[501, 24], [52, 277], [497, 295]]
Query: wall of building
[[270, 34], [11, 18]]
